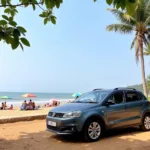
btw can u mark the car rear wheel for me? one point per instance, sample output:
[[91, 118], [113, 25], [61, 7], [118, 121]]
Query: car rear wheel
[[146, 123], [92, 130]]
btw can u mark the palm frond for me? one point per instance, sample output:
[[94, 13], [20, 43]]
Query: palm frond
[[145, 40], [123, 17], [147, 50], [133, 43], [122, 28], [147, 8], [148, 37], [140, 11], [147, 22]]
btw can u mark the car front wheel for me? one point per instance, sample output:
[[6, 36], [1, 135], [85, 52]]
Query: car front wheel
[[92, 130]]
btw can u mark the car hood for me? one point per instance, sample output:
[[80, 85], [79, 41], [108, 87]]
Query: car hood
[[73, 107]]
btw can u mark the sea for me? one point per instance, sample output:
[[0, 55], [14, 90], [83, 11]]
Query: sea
[[41, 98]]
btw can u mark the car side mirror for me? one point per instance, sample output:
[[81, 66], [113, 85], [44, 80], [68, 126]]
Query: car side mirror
[[110, 102]]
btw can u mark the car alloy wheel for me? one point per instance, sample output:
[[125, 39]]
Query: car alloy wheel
[[94, 130]]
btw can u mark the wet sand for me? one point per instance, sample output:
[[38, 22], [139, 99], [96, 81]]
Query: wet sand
[[32, 136]]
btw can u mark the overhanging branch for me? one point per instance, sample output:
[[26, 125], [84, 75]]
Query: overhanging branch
[[29, 3]]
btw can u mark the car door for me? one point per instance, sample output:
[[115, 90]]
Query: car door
[[134, 106], [115, 114]]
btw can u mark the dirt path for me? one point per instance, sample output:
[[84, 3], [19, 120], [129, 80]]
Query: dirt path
[[32, 136]]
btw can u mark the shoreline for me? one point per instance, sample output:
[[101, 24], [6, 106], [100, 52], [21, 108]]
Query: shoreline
[[41, 102]]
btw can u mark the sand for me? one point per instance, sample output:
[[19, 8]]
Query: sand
[[17, 113], [32, 136]]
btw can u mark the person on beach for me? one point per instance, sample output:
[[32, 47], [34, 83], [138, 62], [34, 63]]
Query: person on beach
[[5, 105], [77, 97], [33, 105], [30, 102], [10, 108], [2, 106], [29, 105], [24, 104]]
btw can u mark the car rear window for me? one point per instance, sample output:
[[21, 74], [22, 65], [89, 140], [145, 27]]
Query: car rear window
[[141, 95]]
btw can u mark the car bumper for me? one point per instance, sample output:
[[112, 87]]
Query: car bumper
[[63, 126]]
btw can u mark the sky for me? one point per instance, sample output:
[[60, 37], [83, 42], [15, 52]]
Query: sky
[[76, 54]]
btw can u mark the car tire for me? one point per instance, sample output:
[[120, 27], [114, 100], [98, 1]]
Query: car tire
[[146, 123], [92, 130]]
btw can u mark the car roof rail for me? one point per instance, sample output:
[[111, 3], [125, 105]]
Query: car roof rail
[[97, 89], [128, 88]]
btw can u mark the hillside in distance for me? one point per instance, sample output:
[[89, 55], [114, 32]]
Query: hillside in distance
[[137, 86]]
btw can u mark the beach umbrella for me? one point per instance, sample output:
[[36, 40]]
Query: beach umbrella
[[28, 95], [5, 97], [76, 94]]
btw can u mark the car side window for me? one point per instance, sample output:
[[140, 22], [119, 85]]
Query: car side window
[[118, 97], [132, 96]]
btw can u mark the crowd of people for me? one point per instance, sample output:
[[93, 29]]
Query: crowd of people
[[31, 105], [4, 106], [28, 106]]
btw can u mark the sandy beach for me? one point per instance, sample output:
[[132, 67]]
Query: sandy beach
[[17, 113], [32, 135]]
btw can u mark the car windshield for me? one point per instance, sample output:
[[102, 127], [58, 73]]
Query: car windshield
[[93, 97]]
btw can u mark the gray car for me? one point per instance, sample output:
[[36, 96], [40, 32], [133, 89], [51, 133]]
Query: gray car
[[100, 110]]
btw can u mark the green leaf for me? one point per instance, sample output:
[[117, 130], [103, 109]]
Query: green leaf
[[9, 40], [43, 15], [14, 43], [16, 33], [109, 2], [13, 23], [48, 3], [7, 10], [25, 41], [45, 20], [21, 29], [130, 7], [11, 18], [57, 4], [3, 2], [53, 19], [3, 22], [25, 1], [33, 6], [5, 17]]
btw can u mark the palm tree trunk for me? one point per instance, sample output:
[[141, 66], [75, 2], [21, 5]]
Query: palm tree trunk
[[143, 69]]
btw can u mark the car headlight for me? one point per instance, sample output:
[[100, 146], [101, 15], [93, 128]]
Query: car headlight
[[74, 114]]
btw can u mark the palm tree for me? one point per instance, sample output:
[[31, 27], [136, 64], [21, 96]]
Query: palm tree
[[139, 23]]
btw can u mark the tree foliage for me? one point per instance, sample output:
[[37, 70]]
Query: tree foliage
[[129, 5], [139, 23], [10, 31]]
